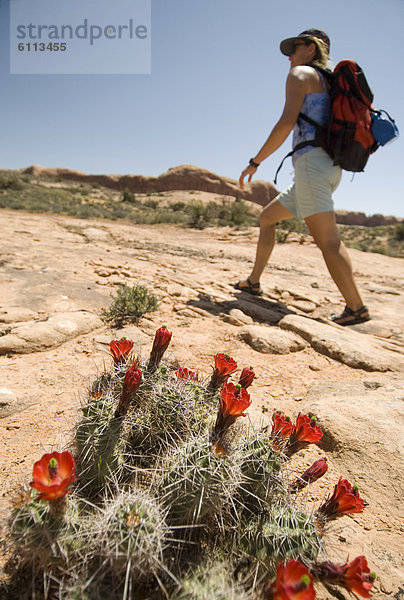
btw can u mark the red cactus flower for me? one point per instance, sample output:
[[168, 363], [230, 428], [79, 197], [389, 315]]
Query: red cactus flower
[[131, 383], [234, 400], [224, 364], [354, 576], [281, 426], [305, 432], [120, 350], [53, 474], [344, 501], [184, 373], [161, 342], [357, 577], [317, 470], [293, 582], [246, 377], [224, 367]]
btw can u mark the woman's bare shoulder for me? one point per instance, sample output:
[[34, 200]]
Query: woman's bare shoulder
[[299, 80], [306, 77], [302, 72]]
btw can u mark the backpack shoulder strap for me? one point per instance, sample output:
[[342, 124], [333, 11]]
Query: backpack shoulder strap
[[297, 147], [309, 120], [326, 73]]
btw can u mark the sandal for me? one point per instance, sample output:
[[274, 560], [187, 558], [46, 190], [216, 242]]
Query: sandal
[[251, 288], [352, 317]]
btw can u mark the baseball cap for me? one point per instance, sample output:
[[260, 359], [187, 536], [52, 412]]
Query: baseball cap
[[287, 45]]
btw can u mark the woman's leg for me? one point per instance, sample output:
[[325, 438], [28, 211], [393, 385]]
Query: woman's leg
[[271, 214], [323, 228]]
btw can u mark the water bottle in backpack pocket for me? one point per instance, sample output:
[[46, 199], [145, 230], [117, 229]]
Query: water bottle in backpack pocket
[[384, 130]]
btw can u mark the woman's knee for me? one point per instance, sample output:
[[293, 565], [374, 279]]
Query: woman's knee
[[272, 213], [328, 244], [267, 221]]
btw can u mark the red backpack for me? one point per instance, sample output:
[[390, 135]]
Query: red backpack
[[347, 135]]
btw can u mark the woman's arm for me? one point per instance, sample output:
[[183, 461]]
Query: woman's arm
[[296, 89]]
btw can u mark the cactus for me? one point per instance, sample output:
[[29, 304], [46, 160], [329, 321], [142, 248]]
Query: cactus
[[42, 536], [171, 499], [98, 445], [282, 534], [210, 582], [197, 485], [127, 538], [260, 467], [171, 410]]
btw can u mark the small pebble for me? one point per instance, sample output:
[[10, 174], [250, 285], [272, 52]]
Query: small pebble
[[13, 426], [314, 368]]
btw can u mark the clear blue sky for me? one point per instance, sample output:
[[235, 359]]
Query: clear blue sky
[[216, 89]]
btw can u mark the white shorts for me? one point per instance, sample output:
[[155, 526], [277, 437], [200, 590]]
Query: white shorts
[[316, 178]]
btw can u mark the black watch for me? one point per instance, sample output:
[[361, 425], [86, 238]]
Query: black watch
[[253, 164]]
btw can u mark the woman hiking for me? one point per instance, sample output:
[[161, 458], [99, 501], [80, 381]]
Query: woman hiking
[[316, 177]]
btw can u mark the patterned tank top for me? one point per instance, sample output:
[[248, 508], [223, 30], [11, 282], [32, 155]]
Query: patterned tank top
[[315, 106]]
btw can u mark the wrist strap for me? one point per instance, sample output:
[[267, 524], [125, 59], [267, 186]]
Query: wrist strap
[[253, 164]]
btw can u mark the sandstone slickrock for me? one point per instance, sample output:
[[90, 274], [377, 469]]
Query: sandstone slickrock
[[350, 347], [271, 340], [362, 423], [346, 408], [93, 234], [176, 290], [187, 312], [16, 314], [237, 317], [303, 305], [10, 403], [41, 335], [267, 311]]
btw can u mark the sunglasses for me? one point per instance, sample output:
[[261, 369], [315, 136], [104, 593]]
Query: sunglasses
[[296, 45]]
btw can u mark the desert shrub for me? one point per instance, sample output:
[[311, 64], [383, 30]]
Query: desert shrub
[[150, 203], [84, 191], [288, 226], [382, 249], [356, 246], [240, 215], [177, 206], [196, 212], [226, 214], [10, 181], [399, 232], [130, 304], [128, 196]]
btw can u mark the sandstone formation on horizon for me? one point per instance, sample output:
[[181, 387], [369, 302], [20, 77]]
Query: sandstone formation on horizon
[[192, 177]]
